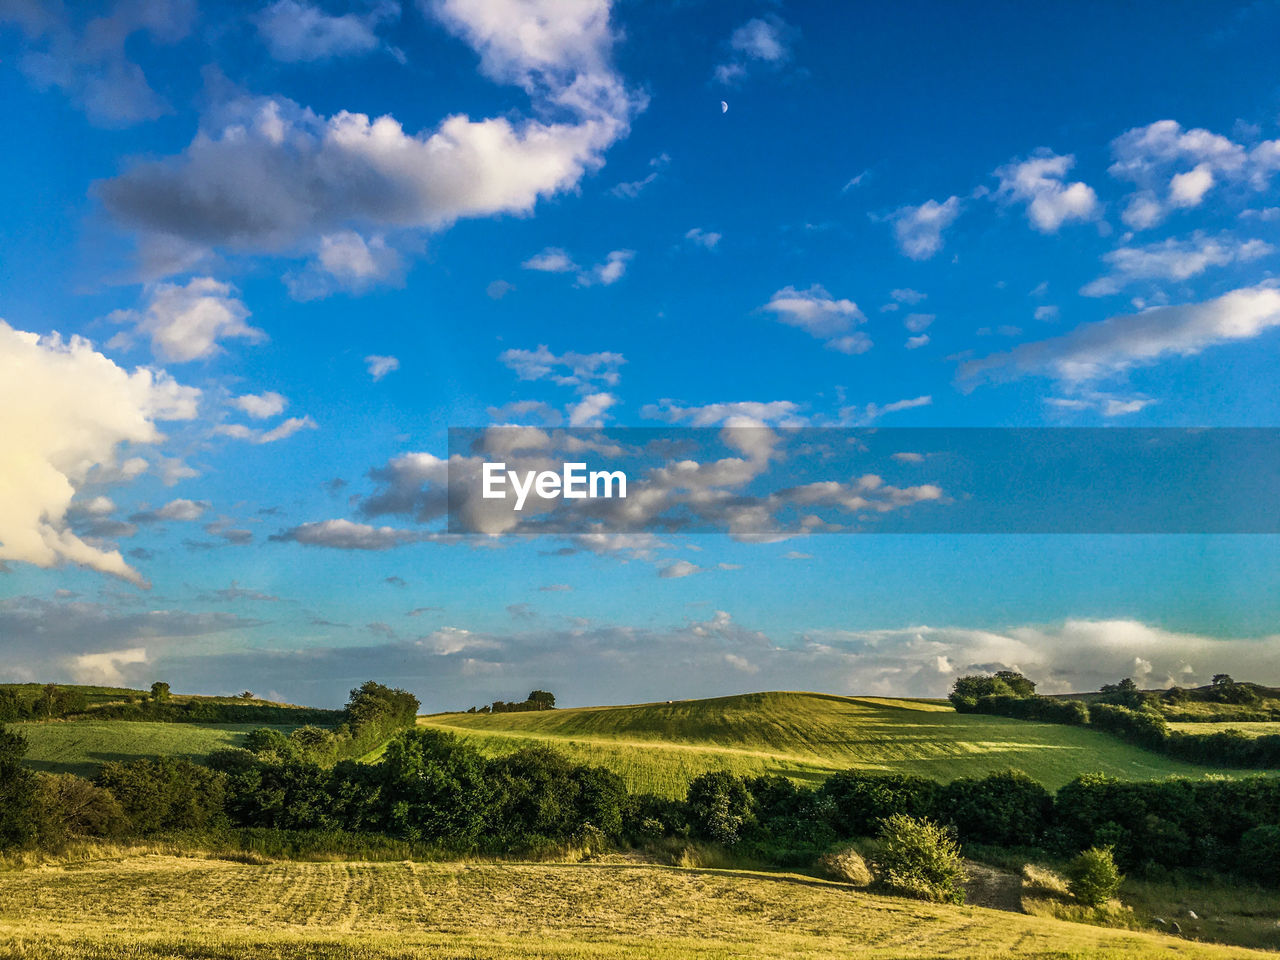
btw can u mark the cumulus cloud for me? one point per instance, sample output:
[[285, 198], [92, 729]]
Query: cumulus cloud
[[185, 322], [104, 668], [86, 58], [822, 316], [1172, 260], [346, 261], [681, 568], [1173, 168], [67, 409], [707, 239], [261, 406], [1039, 182], [176, 510], [919, 229], [590, 410], [297, 32], [1113, 346], [269, 175], [556, 260]]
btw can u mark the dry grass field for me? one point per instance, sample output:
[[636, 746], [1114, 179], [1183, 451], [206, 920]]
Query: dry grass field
[[161, 907]]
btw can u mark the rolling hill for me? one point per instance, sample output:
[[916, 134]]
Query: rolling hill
[[658, 747]]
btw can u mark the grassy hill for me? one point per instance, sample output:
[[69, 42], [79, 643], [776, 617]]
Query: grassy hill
[[81, 746], [166, 907], [658, 747]]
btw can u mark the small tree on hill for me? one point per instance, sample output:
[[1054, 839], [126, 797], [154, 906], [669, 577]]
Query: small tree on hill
[[1124, 694], [160, 691], [919, 858], [1020, 685], [1093, 878], [542, 700]]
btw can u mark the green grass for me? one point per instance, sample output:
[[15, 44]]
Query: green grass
[[81, 746], [168, 907], [658, 747], [1260, 728]]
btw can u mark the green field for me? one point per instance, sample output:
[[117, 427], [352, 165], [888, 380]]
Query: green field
[[658, 747], [81, 746], [169, 907]]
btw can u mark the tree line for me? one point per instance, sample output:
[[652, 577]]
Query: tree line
[[436, 791], [1125, 712]]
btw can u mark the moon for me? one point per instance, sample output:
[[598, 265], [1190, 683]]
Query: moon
[[724, 107]]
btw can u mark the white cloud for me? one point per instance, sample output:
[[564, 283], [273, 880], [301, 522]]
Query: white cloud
[[759, 40], [299, 32], [781, 413], [65, 410], [268, 175], [346, 535], [580, 370], [589, 412], [633, 188], [1174, 168], [379, 366], [261, 406], [681, 568], [703, 238], [181, 511], [820, 315], [908, 296], [551, 260], [1046, 313], [282, 431], [919, 322], [609, 272], [1111, 347], [346, 261], [864, 416], [185, 323], [915, 343], [1173, 260], [104, 668], [919, 229], [1039, 182]]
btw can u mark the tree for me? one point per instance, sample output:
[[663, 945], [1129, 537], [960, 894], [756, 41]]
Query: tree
[[1020, 685], [160, 691], [542, 700], [966, 691], [17, 790], [1124, 694], [247, 695], [721, 807]]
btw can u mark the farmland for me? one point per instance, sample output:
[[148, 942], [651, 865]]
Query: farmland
[[658, 747], [81, 746], [165, 907]]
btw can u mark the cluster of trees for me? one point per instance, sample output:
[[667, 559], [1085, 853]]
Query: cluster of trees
[[40, 703], [537, 700], [1141, 724]]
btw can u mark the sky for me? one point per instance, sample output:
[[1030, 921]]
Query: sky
[[257, 259]]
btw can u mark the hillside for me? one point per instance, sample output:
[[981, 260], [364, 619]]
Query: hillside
[[162, 906], [658, 747], [81, 746]]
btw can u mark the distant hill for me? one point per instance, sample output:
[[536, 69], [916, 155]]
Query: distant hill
[[22, 701], [658, 747]]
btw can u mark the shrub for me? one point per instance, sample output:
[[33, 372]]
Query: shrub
[[919, 858], [166, 794], [1260, 854], [861, 801], [846, 865], [1092, 876], [17, 790]]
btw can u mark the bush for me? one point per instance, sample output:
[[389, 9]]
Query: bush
[[1260, 854], [861, 801], [17, 790], [919, 858], [166, 794], [847, 866], [1092, 877]]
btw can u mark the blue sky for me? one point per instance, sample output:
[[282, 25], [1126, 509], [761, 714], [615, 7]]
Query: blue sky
[[299, 241]]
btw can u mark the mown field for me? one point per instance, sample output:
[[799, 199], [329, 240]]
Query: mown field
[[168, 907], [658, 747], [81, 746]]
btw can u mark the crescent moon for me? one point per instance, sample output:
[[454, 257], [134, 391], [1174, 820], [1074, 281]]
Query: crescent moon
[[724, 107]]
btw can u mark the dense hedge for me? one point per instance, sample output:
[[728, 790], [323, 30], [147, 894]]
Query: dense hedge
[[1225, 749], [211, 711]]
